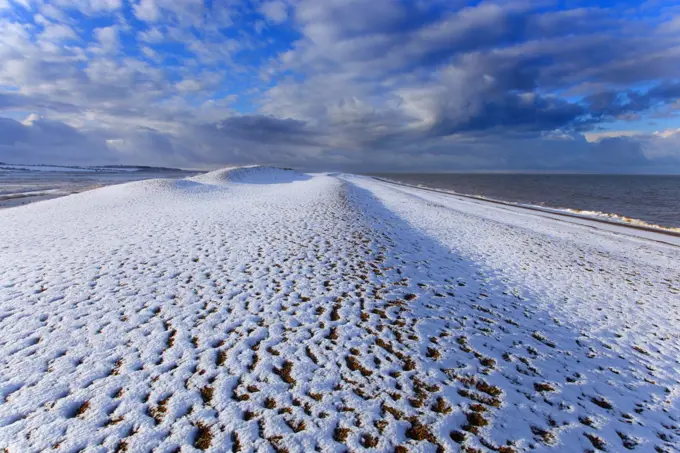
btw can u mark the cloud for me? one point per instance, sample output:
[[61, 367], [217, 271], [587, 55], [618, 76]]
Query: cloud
[[147, 10], [261, 139], [350, 84], [89, 6], [265, 129], [275, 11], [41, 140], [188, 12], [17, 101], [107, 38], [57, 32]]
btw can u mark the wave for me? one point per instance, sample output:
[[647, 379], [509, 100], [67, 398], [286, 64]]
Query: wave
[[617, 218], [32, 193]]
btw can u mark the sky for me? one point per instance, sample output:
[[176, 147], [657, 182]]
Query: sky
[[349, 85]]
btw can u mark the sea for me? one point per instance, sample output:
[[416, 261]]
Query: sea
[[634, 199], [18, 188]]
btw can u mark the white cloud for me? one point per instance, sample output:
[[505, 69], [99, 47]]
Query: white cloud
[[152, 35], [30, 119], [185, 12], [90, 7], [147, 10], [597, 136], [275, 11], [151, 54], [51, 11], [57, 32], [188, 85], [108, 38], [110, 5], [668, 133]]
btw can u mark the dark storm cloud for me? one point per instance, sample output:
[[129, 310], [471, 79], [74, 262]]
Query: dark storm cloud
[[611, 104], [49, 141], [266, 129], [515, 113]]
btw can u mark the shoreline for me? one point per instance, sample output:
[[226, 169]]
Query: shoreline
[[16, 200], [25, 188], [552, 211]]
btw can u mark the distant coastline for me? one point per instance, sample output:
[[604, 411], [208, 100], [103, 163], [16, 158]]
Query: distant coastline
[[90, 168], [25, 184]]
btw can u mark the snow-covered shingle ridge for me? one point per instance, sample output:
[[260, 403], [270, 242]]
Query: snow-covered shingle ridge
[[331, 313]]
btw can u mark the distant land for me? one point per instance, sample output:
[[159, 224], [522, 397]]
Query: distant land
[[94, 168]]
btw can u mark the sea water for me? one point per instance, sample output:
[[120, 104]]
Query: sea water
[[653, 200]]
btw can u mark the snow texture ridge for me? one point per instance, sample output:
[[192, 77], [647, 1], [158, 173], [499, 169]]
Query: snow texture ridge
[[328, 313]]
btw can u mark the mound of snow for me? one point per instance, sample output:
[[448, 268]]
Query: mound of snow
[[255, 174]]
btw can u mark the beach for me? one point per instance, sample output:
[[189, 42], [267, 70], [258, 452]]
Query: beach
[[263, 309]]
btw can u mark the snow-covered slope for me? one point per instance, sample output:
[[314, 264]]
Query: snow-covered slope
[[256, 174], [261, 309]]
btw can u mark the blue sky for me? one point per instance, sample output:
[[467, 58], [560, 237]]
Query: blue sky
[[358, 85]]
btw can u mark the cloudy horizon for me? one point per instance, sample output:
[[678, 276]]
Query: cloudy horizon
[[352, 85]]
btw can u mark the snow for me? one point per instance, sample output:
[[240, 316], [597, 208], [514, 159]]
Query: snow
[[254, 174], [262, 309]]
